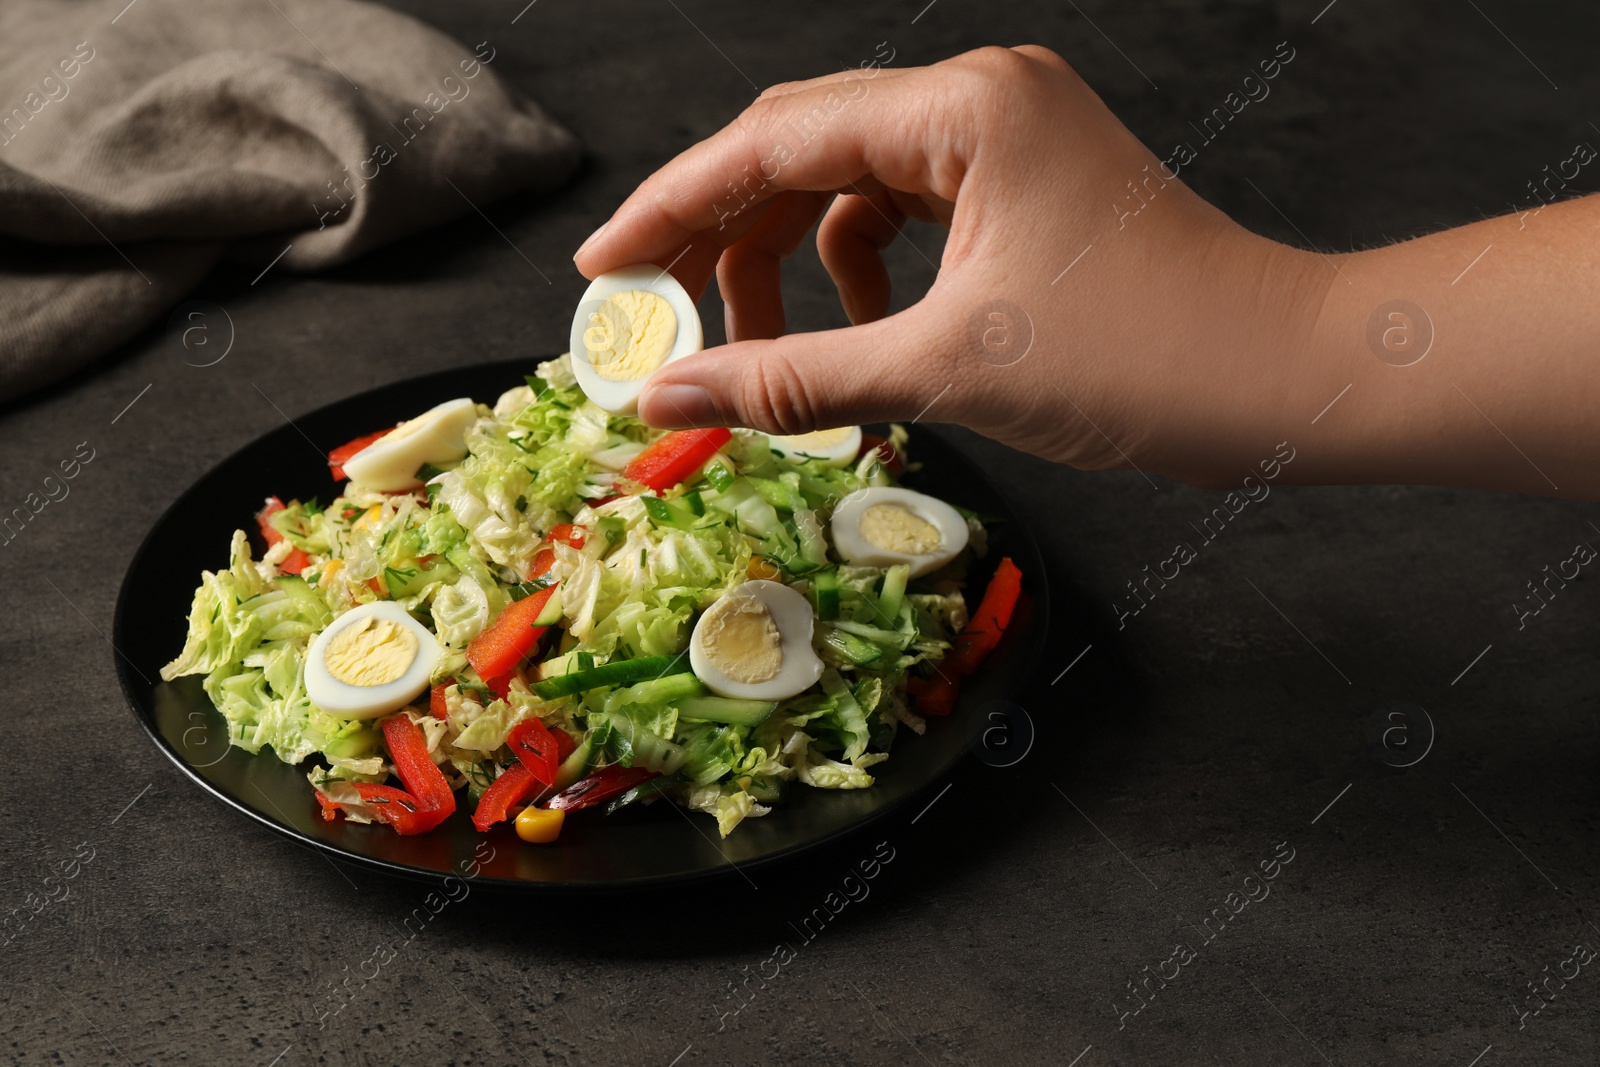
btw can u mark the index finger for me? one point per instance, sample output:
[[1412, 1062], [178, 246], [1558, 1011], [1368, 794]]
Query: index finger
[[850, 130]]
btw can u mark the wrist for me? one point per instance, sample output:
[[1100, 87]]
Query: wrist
[[1262, 360]]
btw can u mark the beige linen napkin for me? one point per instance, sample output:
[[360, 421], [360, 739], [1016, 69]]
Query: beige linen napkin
[[142, 142]]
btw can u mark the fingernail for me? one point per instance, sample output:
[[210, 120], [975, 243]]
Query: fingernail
[[676, 407], [591, 239]]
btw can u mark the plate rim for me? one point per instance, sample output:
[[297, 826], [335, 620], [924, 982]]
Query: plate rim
[[1037, 590]]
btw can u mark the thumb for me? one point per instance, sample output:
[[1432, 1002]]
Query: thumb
[[886, 370]]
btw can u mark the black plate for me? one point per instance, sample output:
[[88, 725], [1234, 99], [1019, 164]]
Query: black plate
[[637, 846]]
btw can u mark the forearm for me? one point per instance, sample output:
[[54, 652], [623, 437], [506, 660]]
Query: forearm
[[1504, 391]]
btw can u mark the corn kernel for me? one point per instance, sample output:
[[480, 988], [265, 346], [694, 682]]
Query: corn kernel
[[761, 568], [540, 826]]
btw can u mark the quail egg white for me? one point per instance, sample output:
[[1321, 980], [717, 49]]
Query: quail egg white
[[630, 323], [371, 660], [880, 526], [437, 436], [837, 447], [754, 643]]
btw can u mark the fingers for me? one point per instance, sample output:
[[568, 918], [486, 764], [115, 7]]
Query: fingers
[[859, 126], [693, 265], [873, 127], [800, 382], [854, 232], [748, 274]]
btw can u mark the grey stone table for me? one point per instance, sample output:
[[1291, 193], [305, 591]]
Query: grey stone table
[[1026, 915]]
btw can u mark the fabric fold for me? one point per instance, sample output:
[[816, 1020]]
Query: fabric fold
[[140, 142]]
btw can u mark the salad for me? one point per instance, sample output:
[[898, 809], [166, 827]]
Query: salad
[[541, 607]]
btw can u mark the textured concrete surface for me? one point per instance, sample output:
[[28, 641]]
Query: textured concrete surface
[[1208, 737]]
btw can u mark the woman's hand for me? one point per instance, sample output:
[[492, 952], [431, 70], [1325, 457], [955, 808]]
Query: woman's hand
[[1089, 308]]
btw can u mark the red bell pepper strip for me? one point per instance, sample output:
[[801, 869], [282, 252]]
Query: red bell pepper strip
[[500, 685], [498, 650], [389, 805], [426, 800], [423, 779], [531, 742], [673, 458], [536, 751], [330, 810], [565, 533], [887, 455], [296, 561], [396, 807], [438, 707], [937, 695], [339, 456], [600, 787], [983, 630], [513, 786]]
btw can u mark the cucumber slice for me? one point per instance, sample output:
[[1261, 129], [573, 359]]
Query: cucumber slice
[[556, 666], [551, 614], [825, 588], [679, 516], [851, 647], [754, 515], [872, 633], [576, 765], [620, 672], [894, 589], [669, 689], [402, 582], [354, 740], [719, 476], [725, 709], [773, 492]]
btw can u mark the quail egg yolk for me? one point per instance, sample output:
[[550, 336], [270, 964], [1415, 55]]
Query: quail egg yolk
[[895, 529], [630, 335], [370, 652], [741, 639]]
